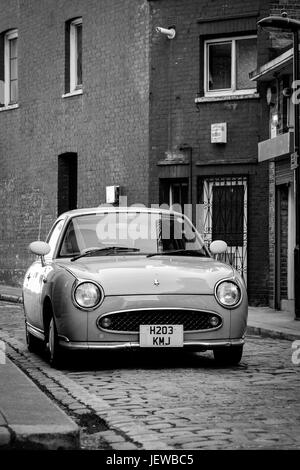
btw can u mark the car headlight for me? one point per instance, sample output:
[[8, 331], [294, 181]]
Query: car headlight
[[87, 295], [228, 293]]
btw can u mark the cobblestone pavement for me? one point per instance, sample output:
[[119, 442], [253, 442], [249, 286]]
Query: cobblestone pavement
[[171, 401]]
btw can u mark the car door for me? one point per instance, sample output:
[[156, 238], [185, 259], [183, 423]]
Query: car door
[[36, 278]]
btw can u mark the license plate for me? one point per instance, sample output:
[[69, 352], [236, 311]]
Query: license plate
[[161, 336]]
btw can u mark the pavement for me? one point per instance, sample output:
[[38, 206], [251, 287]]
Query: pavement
[[30, 420]]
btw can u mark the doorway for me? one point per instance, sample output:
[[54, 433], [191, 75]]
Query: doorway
[[223, 204], [66, 182], [284, 244]]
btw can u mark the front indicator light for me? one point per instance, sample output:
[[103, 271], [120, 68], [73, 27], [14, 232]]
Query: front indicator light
[[228, 294], [105, 322], [87, 295], [214, 321]]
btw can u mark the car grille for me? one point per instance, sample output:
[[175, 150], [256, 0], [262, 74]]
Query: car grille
[[192, 320]]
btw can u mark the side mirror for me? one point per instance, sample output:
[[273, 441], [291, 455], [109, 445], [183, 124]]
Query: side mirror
[[39, 248], [217, 247]]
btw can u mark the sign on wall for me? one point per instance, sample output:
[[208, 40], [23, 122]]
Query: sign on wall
[[219, 133]]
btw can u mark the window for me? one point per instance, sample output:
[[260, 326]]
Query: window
[[9, 72], [53, 236], [174, 192], [227, 65], [136, 232], [228, 214], [74, 56]]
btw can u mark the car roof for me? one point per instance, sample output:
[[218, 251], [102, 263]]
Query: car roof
[[111, 209]]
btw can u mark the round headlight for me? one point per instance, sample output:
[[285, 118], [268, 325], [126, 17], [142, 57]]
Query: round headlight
[[87, 295], [228, 294]]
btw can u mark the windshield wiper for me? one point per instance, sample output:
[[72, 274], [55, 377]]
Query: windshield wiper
[[178, 252], [105, 251]]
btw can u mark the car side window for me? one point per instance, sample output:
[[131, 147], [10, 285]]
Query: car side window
[[53, 237], [70, 242]]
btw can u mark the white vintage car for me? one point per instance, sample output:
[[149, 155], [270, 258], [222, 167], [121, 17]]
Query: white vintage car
[[131, 277]]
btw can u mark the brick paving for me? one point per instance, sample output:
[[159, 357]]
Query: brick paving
[[171, 401]]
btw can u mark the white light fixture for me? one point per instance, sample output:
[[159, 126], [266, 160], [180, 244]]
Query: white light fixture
[[170, 32], [112, 194]]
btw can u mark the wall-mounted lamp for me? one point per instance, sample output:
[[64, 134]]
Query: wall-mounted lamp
[[275, 119], [271, 95], [112, 195], [170, 32], [287, 92]]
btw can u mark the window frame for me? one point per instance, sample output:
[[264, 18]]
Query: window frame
[[74, 85], [9, 35], [225, 91], [52, 254]]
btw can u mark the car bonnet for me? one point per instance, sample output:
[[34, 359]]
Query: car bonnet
[[136, 275]]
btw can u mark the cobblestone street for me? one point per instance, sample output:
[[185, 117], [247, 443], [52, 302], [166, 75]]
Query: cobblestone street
[[171, 401]]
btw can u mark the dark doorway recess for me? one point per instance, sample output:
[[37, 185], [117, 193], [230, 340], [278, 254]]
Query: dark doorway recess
[[67, 182], [174, 191], [281, 245]]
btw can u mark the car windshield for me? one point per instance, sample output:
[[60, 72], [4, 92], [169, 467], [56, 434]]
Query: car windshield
[[133, 232]]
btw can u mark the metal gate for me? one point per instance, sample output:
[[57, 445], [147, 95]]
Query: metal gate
[[224, 217]]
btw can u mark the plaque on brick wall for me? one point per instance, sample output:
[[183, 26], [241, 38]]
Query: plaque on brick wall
[[219, 133]]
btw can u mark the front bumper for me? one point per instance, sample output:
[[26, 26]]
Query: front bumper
[[196, 345]]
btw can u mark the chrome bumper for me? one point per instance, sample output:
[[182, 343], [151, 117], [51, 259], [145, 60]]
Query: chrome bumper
[[197, 345]]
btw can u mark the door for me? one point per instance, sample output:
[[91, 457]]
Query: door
[[281, 244], [175, 193], [35, 280], [223, 216]]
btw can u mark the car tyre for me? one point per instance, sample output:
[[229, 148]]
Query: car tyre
[[55, 354], [32, 342], [228, 356]]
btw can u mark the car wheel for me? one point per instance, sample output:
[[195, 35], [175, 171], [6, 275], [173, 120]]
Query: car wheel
[[32, 342], [228, 355], [54, 350]]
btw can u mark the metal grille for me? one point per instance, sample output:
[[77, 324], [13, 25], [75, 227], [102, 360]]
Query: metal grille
[[224, 216], [192, 320]]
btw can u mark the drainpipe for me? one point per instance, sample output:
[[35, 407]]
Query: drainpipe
[[190, 157]]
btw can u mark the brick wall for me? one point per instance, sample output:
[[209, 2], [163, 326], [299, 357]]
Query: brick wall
[[272, 234], [177, 79], [291, 7], [138, 103], [107, 126], [283, 241]]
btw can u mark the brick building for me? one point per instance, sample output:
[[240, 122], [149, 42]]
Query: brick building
[[56, 126], [276, 77], [102, 98]]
